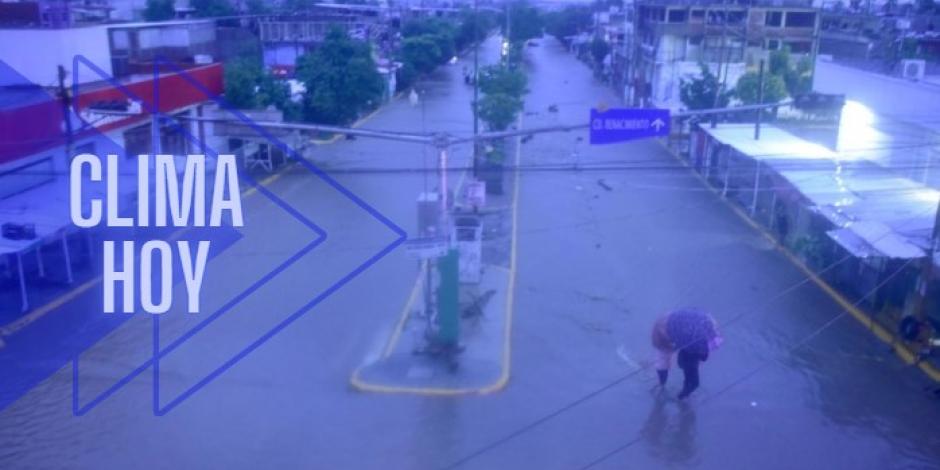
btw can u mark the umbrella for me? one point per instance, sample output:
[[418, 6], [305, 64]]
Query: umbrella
[[693, 330]]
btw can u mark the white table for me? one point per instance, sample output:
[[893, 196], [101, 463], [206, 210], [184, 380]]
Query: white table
[[17, 248], [47, 207]]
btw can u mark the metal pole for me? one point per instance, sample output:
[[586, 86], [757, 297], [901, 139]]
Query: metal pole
[[926, 272], [756, 189], [815, 52], [476, 87], [760, 99], [442, 174], [66, 112], [721, 56], [508, 27]]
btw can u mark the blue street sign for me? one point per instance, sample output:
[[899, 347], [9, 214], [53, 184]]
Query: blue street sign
[[618, 125]]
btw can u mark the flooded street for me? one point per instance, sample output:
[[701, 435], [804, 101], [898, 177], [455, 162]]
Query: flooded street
[[601, 250]]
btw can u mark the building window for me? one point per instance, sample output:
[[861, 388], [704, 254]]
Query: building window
[[773, 44], [800, 19], [678, 16], [698, 16], [737, 17], [773, 18]]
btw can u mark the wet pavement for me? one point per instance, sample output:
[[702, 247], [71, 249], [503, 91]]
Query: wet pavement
[[601, 252]]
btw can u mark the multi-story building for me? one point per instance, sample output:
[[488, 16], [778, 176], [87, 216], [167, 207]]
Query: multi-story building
[[612, 26], [104, 66], [880, 41], [672, 37], [284, 38]]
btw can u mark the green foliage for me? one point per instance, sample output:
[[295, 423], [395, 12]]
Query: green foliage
[[749, 84], [524, 21], [500, 79], [341, 79], [599, 50], [515, 54], [422, 53], [700, 92], [499, 110], [248, 86], [439, 31], [422, 26], [797, 77], [211, 8], [241, 76], [568, 22], [780, 61], [473, 28], [159, 10]]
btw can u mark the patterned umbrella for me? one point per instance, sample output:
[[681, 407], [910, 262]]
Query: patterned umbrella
[[693, 330]]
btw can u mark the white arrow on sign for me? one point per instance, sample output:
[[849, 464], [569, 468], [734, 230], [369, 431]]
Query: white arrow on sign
[[658, 124]]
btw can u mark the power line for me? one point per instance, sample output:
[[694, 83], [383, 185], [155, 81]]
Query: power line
[[754, 371], [584, 398]]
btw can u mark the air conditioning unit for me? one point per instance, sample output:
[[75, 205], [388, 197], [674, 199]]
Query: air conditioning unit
[[913, 69]]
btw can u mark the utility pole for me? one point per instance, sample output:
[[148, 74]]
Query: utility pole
[[66, 100], [719, 83], [815, 52], [476, 86], [634, 67], [926, 271], [760, 99], [508, 42]]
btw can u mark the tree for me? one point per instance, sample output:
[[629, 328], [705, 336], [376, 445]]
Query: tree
[[568, 22], [211, 8], [524, 22], [248, 86], [499, 110], [699, 92], [780, 61], [159, 10], [749, 84], [241, 78], [496, 79], [341, 79], [798, 78], [438, 31], [421, 52], [473, 27]]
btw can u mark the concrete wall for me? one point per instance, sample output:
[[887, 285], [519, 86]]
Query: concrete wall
[[39, 51], [667, 79]]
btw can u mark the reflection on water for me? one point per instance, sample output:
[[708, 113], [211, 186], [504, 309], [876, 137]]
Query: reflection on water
[[669, 431], [906, 147]]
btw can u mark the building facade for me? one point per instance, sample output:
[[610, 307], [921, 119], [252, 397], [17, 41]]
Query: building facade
[[673, 37]]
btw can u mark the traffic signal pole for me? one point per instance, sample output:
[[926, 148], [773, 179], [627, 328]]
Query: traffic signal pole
[[445, 340]]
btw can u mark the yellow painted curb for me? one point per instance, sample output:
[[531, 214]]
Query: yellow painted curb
[[884, 335], [506, 361]]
